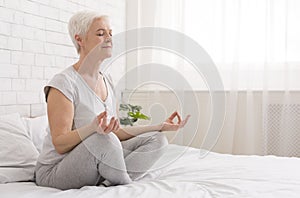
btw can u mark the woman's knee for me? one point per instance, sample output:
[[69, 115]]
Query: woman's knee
[[102, 142], [161, 139]]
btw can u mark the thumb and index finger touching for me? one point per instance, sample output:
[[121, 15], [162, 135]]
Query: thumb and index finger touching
[[180, 121]]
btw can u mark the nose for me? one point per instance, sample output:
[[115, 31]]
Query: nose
[[107, 35], [108, 39]]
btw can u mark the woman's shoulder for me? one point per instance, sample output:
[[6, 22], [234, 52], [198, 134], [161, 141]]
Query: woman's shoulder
[[66, 75], [64, 82]]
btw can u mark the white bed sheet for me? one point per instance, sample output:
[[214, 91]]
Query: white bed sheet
[[216, 175]]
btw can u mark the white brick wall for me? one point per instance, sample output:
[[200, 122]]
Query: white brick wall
[[9, 71], [21, 57], [5, 28], [5, 56], [14, 43], [35, 45], [5, 84]]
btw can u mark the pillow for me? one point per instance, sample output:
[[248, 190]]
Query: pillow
[[37, 130], [18, 155]]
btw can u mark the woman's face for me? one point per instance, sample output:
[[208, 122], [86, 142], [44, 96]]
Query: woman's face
[[98, 35]]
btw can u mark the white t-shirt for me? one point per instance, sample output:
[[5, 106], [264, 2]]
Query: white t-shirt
[[87, 105]]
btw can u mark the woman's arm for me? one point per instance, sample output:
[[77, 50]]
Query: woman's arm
[[60, 116], [167, 125], [129, 132]]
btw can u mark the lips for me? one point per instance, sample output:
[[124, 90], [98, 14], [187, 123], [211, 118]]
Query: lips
[[107, 45]]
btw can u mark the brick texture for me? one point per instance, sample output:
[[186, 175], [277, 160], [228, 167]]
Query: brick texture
[[35, 45]]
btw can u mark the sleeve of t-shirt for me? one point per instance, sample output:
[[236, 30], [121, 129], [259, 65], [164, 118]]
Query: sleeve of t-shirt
[[61, 83]]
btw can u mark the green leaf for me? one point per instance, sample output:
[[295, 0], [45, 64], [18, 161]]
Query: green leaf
[[144, 117], [133, 114], [124, 107], [138, 115], [126, 121]]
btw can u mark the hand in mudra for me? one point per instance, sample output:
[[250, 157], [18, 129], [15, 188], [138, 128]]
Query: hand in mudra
[[169, 125], [101, 126]]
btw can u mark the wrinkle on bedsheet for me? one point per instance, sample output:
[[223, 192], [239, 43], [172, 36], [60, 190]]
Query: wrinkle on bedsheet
[[216, 175]]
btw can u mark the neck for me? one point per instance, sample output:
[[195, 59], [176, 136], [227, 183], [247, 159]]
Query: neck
[[88, 66]]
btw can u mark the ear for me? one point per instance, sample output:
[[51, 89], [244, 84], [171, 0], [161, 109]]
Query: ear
[[79, 40]]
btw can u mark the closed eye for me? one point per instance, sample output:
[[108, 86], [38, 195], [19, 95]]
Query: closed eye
[[102, 32]]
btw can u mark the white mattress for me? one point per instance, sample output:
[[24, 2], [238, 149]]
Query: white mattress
[[216, 175]]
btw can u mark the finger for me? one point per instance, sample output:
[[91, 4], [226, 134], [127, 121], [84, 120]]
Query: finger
[[99, 128], [104, 121], [100, 123], [169, 121], [179, 118], [110, 126], [173, 115], [116, 125], [101, 115], [185, 120]]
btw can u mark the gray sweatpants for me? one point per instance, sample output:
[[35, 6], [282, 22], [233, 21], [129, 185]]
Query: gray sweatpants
[[103, 157]]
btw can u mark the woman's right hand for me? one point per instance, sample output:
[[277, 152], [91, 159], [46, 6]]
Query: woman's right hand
[[100, 124]]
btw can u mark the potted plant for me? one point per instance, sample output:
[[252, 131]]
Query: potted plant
[[131, 114]]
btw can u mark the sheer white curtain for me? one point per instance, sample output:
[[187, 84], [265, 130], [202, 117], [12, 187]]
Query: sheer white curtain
[[157, 99], [255, 45]]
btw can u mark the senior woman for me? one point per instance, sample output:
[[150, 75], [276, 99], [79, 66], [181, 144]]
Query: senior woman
[[85, 144]]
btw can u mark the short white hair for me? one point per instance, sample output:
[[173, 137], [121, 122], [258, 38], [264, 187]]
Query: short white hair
[[80, 23]]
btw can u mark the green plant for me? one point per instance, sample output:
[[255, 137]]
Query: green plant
[[132, 114]]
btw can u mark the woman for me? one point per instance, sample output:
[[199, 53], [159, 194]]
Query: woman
[[85, 145]]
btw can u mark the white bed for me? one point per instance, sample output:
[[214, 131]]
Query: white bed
[[216, 175]]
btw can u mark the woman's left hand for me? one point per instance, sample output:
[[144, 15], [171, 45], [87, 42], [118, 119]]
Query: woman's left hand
[[169, 125]]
